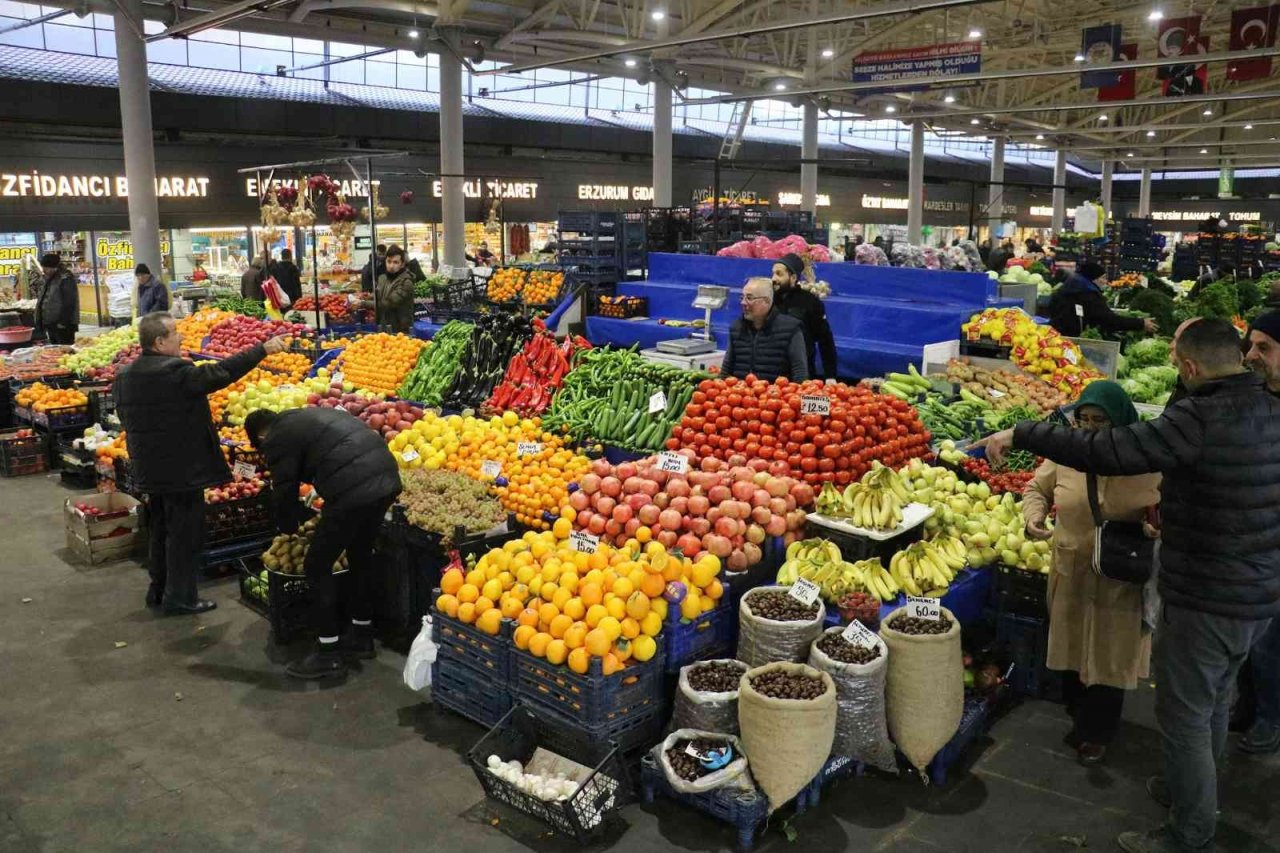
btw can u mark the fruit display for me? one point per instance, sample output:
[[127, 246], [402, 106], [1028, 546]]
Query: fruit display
[[336, 305], [724, 509], [534, 287], [1039, 350], [618, 397], [873, 503], [1003, 389], [288, 551], [196, 327], [437, 364], [927, 568], [262, 381], [1128, 281], [101, 350], [1013, 476], [820, 561], [39, 397], [43, 364], [292, 365], [693, 758], [780, 422], [117, 448], [379, 363], [912, 625], [506, 284], [235, 490], [837, 648], [239, 333], [546, 788], [440, 501], [495, 338], [535, 373]]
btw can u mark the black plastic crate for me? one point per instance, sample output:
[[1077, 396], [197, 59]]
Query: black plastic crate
[[125, 481], [586, 814], [102, 403], [20, 456], [282, 598], [1024, 641], [239, 520], [1019, 591]]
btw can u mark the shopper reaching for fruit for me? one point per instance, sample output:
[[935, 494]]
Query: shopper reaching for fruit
[[356, 475], [162, 403], [1219, 451], [790, 298]]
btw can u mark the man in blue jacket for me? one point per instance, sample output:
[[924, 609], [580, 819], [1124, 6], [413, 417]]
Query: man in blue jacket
[[153, 294]]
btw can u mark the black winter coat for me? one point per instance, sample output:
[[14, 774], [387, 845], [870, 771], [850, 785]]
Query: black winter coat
[[776, 349], [59, 302], [347, 462], [163, 407], [289, 277], [808, 309], [1219, 451], [1079, 304]]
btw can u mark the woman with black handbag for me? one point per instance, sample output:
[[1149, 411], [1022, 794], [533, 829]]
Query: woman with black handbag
[[1101, 559]]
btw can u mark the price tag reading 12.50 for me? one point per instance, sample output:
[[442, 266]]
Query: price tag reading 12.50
[[924, 608], [584, 542], [672, 462], [805, 591], [490, 468], [859, 635], [815, 404]]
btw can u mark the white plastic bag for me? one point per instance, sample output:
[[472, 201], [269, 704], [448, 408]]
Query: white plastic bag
[[731, 775], [422, 654]]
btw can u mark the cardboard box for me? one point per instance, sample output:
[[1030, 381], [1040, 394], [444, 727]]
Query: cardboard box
[[116, 510]]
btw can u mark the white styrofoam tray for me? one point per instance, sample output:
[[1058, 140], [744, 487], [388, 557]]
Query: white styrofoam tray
[[913, 515]]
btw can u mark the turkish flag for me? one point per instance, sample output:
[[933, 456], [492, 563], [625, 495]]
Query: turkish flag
[[1180, 39], [1125, 88], [1250, 30]]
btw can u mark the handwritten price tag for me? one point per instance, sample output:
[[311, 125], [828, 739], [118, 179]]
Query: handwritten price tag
[[658, 402], [336, 376], [528, 448], [859, 635], [490, 468], [815, 404], [409, 454], [995, 393], [584, 542], [672, 463], [243, 471], [1070, 355], [924, 608], [805, 591]]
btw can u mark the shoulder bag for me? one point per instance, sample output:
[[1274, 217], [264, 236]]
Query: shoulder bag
[[1122, 551]]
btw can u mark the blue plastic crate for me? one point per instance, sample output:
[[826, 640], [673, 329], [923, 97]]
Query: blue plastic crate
[[325, 360], [973, 724], [468, 691], [710, 635], [744, 810], [591, 700], [469, 645]]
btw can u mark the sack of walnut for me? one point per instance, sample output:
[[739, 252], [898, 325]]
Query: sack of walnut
[[707, 697], [773, 626], [861, 729], [734, 774], [787, 713], [924, 693]]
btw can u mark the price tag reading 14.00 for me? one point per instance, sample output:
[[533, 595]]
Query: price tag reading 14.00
[[584, 542], [805, 591], [859, 635], [672, 462], [924, 608], [815, 404]]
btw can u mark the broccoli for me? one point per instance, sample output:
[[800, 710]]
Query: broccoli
[[1158, 305], [1250, 293]]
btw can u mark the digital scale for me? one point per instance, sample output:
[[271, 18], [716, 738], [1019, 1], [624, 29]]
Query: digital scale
[[698, 351]]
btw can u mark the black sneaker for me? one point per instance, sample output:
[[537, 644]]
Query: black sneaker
[[1261, 739], [357, 643], [317, 665]]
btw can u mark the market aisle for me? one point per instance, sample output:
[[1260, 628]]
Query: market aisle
[[190, 737]]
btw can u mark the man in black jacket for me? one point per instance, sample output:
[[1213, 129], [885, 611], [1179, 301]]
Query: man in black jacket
[[356, 475], [287, 275], [790, 298], [58, 305], [1078, 304], [764, 342], [174, 451], [1219, 451]]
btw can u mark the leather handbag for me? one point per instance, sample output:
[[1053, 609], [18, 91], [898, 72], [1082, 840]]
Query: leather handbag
[[1122, 551]]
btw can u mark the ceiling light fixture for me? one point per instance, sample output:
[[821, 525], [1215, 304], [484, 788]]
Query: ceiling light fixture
[[949, 99], [780, 87], [1208, 111], [974, 121], [413, 34], [1039, 137], [1151, 133], [1155, 15], [658, 15], [827, 53], [1248, 127], [1079, 57], [1204, 150], [975, 33], [630, 63], [1130, 154], [891, 109]]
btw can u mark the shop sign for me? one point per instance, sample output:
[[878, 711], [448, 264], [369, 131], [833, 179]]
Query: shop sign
[[824, 200], [11, 258], [611, 192], [118, 254], [491, 189], [1040, 210], [36, 185], [350, 189], [875, 202], [938, 60], [728, 196], [1201, 215]]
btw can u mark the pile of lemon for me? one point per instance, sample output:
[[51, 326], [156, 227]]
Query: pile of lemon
[[569, 606]]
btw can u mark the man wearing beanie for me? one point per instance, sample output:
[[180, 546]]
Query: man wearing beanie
[[1263, 353], [790, 298], [58, 305], [1079, 304], [153, 294]]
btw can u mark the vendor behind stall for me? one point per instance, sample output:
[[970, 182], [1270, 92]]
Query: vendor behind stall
[[1079, 304], [764, 341], [790, 298], [394, 293]]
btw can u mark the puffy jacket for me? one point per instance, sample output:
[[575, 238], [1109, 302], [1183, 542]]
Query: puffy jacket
[[776, 349], [395, 300], [152, 296], [1078, 304], [809, 310], [59, 301], [1219, 451], [347, 462], [163, 407]]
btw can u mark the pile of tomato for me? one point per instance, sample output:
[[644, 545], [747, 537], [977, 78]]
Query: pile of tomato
[[999, 481], [753, 418]]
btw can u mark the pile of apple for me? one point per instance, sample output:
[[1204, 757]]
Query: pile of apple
[[726, 509], [239, 333], [235, 490], [86, 509], [385, 417]]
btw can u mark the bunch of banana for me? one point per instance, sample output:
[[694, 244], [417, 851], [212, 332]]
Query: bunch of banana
[[820, 561], [952, 550], [876, 501], [875, 579], [921, 569]]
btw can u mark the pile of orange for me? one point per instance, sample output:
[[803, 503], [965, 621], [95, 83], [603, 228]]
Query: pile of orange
[[335, 343], [218, 399], [506, 284], [379, 363], [41, 398], [292, 365], [196, 327], [117, 449], [542, 287], [537, 287], [229, 435]]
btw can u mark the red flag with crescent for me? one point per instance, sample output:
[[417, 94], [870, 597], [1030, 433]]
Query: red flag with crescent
[[1252, 29], [1180, 40], [1125, 88]]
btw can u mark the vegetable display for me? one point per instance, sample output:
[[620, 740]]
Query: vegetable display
[[1039, 350], [495, 338], [1003, 389], [240, 305], [535, 373], [437, 364]]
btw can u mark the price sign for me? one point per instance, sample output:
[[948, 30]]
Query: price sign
[[805, 591], [859, 635], [490, 468], [336, 376], [409, 454], [528, 448], [1070, 355], [815, 404], [924, 608], [672, 462], [1079, 310], [243, 471], [996, 393], [584, 542], [658, 402]]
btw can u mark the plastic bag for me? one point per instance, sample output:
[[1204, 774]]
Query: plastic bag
[[700, 709], [762, 641], [924, 693], [787, 740], [862, 731], [732, 774], [422, 654]]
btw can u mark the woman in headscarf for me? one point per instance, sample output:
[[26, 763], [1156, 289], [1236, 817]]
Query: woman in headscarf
[[1096, 637]]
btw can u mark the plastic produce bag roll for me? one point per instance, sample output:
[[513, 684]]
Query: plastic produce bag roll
[[703, 709], [924, 693], [762, 640]]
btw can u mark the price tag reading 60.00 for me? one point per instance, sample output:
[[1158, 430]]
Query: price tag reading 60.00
[[672, 462], [815, 404], [584, 542], [924, 608], [805, 591]]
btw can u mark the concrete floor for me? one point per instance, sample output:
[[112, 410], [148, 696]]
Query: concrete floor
[[190, 737]]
